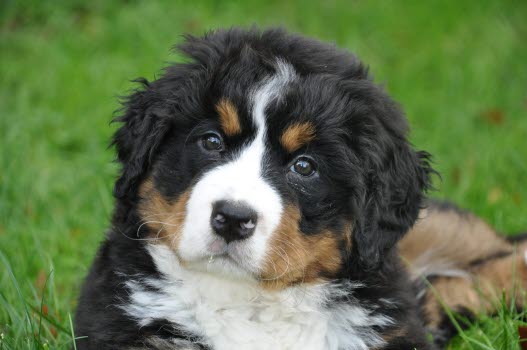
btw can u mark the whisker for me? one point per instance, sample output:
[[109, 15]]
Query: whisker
[[297, 250], [285, 257]]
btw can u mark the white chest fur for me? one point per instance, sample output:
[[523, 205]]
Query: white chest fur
[[231, 314]]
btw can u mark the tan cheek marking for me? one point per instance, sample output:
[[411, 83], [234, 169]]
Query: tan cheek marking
[[163, 218], [297, 135], [230, 122], [296, 258]]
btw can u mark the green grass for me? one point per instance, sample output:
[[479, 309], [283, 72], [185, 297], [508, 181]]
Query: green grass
[[459, 70]]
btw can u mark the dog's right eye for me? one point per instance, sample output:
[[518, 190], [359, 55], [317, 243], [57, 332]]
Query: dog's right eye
[[212, 142]]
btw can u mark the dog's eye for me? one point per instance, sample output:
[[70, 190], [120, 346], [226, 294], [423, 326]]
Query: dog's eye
[[212, 142], [303, 166]]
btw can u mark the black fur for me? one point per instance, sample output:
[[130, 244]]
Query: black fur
[[369, 173]]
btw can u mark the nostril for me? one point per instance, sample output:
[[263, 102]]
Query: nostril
[[220, 218], [247, 225]]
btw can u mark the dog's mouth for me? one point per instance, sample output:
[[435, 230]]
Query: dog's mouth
[[234, 252], [222, 258]]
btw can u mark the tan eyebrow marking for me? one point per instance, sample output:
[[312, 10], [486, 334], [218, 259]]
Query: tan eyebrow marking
[[230, 122], [297, 135]]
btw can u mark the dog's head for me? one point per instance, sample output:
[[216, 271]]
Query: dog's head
[[269, 156]]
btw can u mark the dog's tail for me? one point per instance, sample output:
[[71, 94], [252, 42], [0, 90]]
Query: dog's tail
[[460, 264]]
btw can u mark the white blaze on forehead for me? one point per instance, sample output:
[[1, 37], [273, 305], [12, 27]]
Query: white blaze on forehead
[[270, 91], [239, 180]]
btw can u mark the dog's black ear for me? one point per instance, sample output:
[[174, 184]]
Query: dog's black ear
[[142, 130], [395, 180]]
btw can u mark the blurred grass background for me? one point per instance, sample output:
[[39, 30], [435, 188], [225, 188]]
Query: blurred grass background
[[459, 68]]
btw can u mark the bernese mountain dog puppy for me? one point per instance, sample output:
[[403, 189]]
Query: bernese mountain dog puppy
[[269, 199]]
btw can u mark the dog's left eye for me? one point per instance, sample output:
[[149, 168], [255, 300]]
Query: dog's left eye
[[303, 166], [212, 142]]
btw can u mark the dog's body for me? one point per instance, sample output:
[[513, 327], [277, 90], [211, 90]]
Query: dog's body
[[265, 187]]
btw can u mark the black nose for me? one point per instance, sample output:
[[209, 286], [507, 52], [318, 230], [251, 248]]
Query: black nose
[[233, 220]]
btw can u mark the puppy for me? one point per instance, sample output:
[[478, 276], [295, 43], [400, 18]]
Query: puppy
[[267, 200]]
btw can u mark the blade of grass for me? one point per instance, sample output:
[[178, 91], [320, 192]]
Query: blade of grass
[[51, 321], [72, 332], [19, 293], [42, 305]]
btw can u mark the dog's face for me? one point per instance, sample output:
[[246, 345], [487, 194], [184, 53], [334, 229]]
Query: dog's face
[[269, 157]]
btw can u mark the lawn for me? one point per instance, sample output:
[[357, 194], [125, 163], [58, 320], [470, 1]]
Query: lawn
[[459, 70]]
